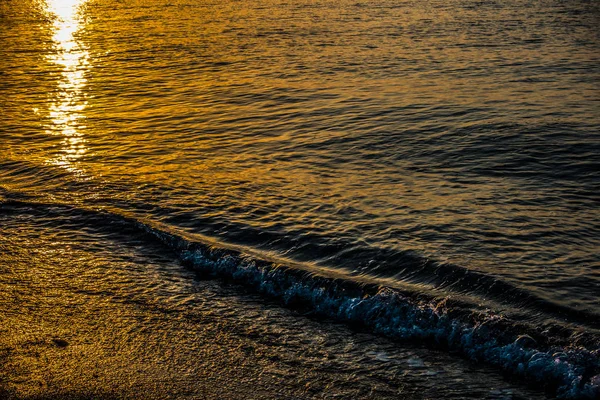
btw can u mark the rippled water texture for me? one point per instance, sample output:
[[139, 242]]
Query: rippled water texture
[[448, 148]]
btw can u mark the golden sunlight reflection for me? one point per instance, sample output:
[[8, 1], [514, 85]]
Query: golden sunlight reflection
[[71, 56]]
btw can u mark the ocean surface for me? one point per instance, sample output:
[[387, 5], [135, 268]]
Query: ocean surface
[[400, 198]]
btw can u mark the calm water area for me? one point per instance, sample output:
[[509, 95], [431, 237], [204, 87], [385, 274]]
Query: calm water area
[[326, 199]]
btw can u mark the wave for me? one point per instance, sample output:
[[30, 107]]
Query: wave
[[410, 266], [565, 362], [397, 267]]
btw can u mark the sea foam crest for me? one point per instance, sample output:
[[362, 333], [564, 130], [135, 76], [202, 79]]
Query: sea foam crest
[[566, 373]]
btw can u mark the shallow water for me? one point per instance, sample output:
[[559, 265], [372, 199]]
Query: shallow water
[[136, 322], [447, 150]]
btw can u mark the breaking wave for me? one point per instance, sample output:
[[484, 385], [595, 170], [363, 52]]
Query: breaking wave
[[564, 361]]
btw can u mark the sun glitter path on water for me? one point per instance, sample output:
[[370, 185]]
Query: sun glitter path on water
[[69, 100]]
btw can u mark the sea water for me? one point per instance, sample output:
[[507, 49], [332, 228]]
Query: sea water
[[425, 172]]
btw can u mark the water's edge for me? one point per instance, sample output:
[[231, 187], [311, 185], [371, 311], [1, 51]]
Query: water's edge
[[566, 365]]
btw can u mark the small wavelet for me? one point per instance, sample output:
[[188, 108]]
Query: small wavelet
[[565, 362]]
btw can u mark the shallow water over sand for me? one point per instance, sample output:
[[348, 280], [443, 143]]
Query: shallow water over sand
[[447, 150]]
